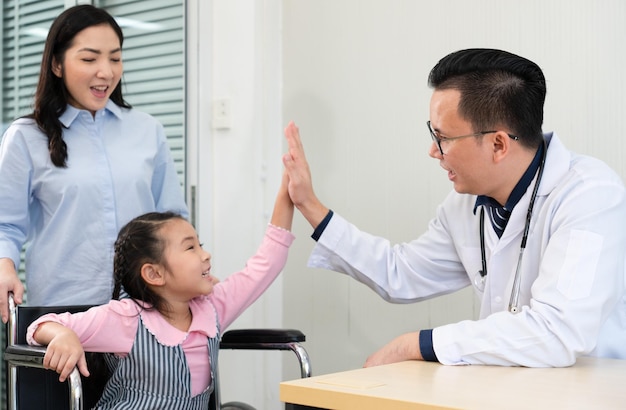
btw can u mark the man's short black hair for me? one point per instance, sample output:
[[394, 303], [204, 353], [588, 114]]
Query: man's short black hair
[[498, 89]]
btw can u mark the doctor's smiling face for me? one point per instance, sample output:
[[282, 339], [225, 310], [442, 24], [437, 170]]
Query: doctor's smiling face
[[467, 160]]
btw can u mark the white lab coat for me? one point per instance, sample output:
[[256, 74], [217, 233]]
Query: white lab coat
[[573, 283]]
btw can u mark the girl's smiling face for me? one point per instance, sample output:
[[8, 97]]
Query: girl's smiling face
[[91, 67], [188, 265]]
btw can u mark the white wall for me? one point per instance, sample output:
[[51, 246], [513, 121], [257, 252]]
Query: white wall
[[355, 82], [234, 53], [352, 74]]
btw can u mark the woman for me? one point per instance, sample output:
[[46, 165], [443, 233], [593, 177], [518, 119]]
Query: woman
[[78, 168]]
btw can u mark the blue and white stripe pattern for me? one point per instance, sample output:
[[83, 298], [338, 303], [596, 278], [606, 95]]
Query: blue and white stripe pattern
[[499, 217], [154, 376]]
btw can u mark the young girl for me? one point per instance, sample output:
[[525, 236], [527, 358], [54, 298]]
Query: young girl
[[163, 340], [78, 168]]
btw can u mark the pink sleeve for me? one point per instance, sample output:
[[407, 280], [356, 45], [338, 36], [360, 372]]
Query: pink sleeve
[[106, 328], [237, 292]]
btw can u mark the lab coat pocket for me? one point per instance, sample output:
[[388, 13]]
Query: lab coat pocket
[[580, 264]]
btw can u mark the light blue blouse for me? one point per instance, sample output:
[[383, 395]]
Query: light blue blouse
[[119, 166]]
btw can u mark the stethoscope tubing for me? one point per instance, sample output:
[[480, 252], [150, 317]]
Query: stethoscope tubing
[[515, 290]]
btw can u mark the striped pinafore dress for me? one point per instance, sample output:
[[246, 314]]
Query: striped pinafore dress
[[154, 376]]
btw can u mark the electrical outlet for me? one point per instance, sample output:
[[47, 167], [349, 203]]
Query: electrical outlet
[[222, 113]]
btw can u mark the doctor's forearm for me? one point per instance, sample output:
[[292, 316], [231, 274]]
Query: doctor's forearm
[[314, 212]]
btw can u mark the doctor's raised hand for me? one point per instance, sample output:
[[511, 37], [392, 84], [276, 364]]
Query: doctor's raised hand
[[300, 182]]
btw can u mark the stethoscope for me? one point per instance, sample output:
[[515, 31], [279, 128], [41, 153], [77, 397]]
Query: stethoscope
[[481, 276]]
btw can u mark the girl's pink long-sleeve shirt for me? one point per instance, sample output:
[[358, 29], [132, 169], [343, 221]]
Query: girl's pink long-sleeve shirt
[[112, 327]]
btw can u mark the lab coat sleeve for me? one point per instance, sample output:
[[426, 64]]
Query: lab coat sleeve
[[402, 273]]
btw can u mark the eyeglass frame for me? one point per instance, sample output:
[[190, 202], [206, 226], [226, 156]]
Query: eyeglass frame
[[437, 140]]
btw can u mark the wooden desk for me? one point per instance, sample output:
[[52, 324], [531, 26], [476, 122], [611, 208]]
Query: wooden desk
[[590, 384]]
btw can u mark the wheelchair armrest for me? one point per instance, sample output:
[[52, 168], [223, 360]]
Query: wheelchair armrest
[[269, 339], [245, 336], [25, 355], [32, 356]]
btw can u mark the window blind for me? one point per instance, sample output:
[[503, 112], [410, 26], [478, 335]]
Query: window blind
[[154, 70], [24, 28]]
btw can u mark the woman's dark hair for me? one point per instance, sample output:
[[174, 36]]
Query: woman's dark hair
[[497, 88], [140, 242], [51, 95]]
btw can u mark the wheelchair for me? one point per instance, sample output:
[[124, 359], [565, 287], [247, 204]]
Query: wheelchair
[[30, 386]]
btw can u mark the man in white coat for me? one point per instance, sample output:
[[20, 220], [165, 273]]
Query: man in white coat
[[538, 231]]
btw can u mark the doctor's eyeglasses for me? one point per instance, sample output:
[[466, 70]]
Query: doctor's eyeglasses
[[438, 137]]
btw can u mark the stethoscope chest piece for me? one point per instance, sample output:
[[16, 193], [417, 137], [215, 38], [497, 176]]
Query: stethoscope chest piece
[[480, 280]]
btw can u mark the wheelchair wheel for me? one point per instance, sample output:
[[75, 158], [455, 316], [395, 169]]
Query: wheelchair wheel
[[236, 405]]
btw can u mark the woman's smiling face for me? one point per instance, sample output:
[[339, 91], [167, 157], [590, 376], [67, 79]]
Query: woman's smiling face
[[91, 67]]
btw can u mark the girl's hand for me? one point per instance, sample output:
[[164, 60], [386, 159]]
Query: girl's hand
[[64, 353]]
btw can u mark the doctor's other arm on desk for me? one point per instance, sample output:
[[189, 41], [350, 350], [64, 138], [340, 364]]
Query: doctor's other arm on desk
[[536, 229]]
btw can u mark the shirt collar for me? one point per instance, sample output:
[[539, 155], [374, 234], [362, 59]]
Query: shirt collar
[[71, 113], [204, 321], [519, 189]]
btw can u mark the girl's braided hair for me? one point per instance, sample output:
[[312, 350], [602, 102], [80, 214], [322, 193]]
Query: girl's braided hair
[[138, 243]]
